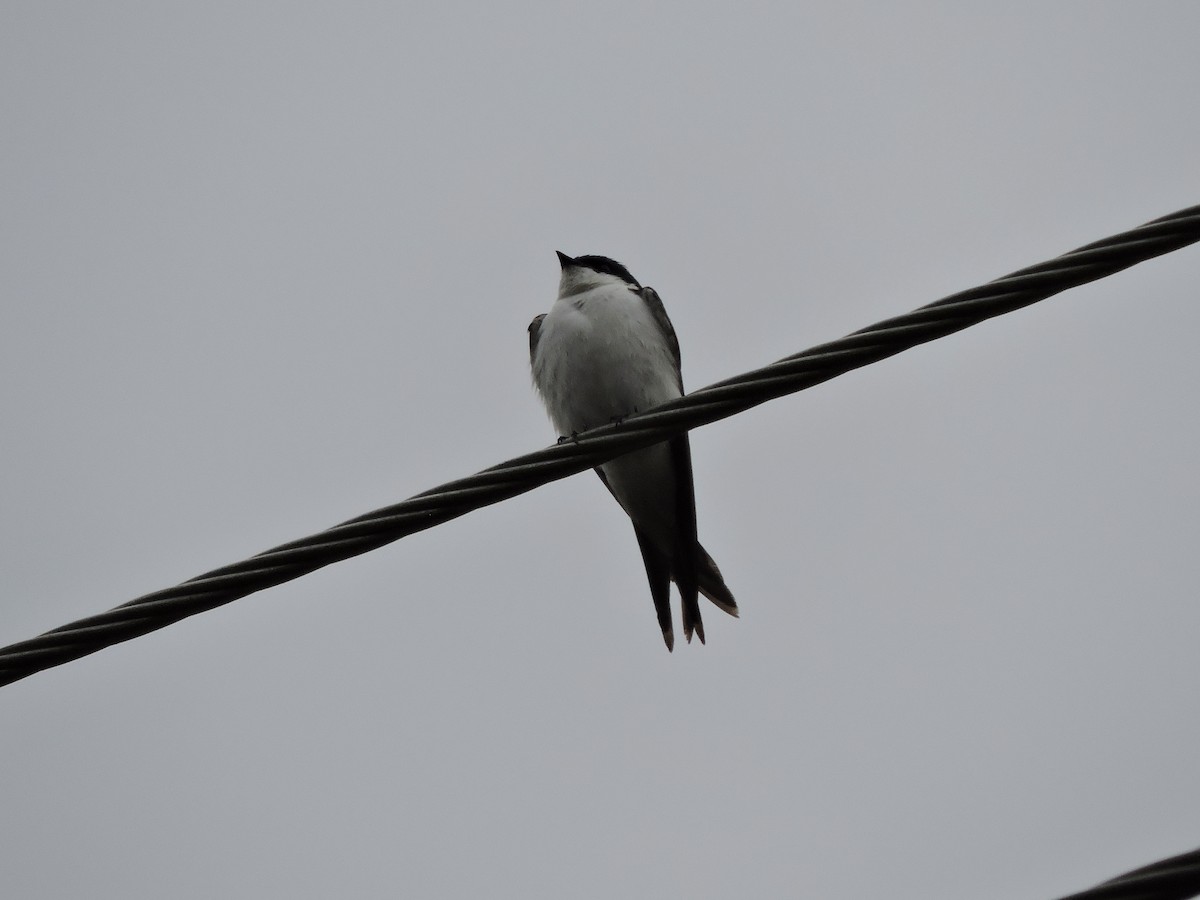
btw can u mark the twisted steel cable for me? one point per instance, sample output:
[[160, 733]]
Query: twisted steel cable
[[1176, 878], [524, 473]]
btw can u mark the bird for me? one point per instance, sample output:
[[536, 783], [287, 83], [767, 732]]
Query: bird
[[607, 350]]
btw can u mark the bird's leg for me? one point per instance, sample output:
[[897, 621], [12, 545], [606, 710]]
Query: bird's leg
[[572, 438]]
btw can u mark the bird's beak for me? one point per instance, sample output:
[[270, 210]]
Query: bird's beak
[[564, 260]]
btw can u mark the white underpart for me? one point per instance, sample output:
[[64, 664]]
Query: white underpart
[[601, 355]]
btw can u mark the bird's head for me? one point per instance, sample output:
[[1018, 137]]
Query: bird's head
[[582, 273]]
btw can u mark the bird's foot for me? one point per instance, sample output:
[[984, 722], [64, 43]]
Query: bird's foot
[[620, 420]]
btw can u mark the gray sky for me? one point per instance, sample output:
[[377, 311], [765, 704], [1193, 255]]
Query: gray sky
[[268, 266]]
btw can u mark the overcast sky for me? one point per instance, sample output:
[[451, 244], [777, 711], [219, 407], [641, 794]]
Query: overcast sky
[[267, 266]]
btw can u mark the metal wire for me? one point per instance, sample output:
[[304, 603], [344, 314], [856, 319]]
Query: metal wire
[[1176, 878], [508, 479]]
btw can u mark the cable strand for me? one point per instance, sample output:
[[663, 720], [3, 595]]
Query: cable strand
[[1174, 878]]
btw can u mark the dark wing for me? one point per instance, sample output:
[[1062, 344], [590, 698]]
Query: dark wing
[[685, 552], [535, 329], [655, 305], [658, 573]]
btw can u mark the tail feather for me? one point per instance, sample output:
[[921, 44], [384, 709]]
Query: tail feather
[[712, 585], [685, 573], [676, 555], [691, 619]]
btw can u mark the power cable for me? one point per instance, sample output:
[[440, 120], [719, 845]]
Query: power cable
[[1176, 878], [524, 473]]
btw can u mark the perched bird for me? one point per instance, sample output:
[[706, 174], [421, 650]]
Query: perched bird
[[607, 350]]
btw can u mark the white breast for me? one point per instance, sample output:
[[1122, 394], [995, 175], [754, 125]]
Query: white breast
[[601, 355]]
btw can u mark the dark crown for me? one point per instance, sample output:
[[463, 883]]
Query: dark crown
[[605, 266]]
